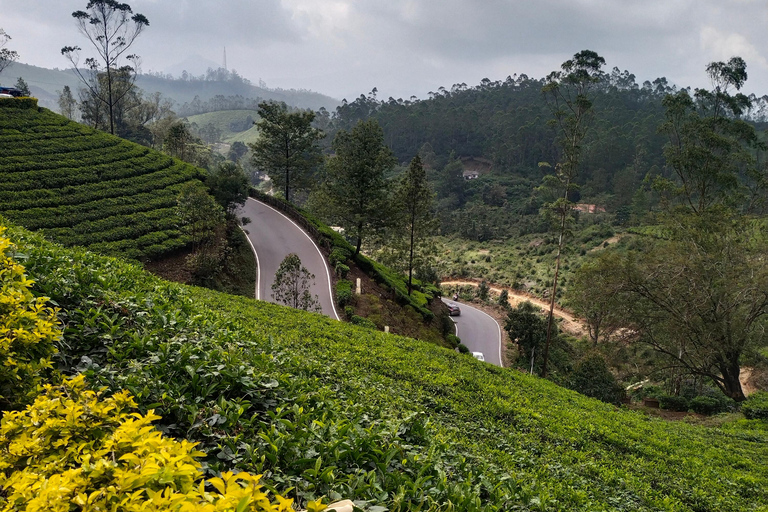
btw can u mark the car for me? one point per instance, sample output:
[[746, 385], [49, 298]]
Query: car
[[478, 355], [3, 95], [12, 91], [454, 310]]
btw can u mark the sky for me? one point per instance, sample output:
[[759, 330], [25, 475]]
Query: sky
[[404, 48]]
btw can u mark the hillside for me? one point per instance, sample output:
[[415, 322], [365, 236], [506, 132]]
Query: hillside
[[230, 124], [83, 187], [45, 84], [327, 408]]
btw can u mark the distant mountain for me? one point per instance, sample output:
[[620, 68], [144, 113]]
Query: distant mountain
[[45, 83]]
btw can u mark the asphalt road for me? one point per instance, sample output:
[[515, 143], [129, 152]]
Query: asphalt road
[[273, 236], [478, 331]]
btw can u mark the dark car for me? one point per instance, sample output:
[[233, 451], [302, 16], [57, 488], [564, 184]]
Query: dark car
[[454, 310], [12, 91]]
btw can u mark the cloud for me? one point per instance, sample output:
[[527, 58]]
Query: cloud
[[722, 46]]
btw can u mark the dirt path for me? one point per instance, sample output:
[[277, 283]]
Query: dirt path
[[570, 323]]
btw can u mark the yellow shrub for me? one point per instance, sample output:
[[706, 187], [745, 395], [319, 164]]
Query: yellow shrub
[[28, 329], [75, 446]]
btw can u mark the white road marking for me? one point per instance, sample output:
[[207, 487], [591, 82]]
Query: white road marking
[[258, 265]]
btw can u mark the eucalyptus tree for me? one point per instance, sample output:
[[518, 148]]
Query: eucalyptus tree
[[570, 95], [111, 27], [7, 57]]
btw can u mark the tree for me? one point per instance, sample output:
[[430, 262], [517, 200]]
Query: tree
[[67, 103], [22, 86], [594, 296], [229, 186], [698, 297], [709, 145], [202, 219], [528, 329], [237, 151], [356, 184], [568, 92], [111, 27], [414, 201], [287, 146], [292, 283], [7, 57]]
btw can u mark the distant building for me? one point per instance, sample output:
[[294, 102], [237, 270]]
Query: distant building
[[589, 208]]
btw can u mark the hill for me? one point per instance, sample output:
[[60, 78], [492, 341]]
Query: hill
[[327, 408], [83, 187], [230, 124], [45, 84]]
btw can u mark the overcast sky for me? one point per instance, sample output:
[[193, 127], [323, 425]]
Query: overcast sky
[[409, 47]]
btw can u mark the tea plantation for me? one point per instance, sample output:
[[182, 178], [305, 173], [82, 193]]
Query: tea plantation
[[82, 187], [324, 408]]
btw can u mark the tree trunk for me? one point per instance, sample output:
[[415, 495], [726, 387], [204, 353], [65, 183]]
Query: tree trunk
[[731, 384]]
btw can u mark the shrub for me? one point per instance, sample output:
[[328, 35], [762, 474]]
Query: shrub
[[463, 349], [592, 378], [708, 405], [343, 293], [76, 446], [673, 403], [342, 270], [756, 406], [362, 322], [349, 311], [28, 329], [454, 340], [339, 255]]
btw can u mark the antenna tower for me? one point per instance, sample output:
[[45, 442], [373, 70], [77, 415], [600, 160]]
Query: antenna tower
[[225, 57]]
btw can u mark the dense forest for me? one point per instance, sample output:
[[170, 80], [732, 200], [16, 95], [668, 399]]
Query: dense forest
[[484, 145]]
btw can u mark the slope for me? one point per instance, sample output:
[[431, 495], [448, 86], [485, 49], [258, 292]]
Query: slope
[[326, 408], [82, 187]]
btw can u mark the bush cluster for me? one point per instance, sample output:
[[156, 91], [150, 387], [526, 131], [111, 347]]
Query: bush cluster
[[77, 447], [756, 406], [28, 330], [343, 293]]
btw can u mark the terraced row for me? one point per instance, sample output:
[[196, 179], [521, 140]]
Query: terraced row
[[83, 187]]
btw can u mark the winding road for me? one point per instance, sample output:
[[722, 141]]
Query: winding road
[[273, 236], [478, 331]]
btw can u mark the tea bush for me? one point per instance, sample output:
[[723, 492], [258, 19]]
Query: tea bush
[[28, 330], [325, 408], [756, 406]]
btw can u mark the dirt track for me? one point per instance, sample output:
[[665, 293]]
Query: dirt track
[[570, 323]]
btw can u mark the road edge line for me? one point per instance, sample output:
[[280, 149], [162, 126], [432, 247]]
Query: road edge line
[[325, 263], [258, 265]]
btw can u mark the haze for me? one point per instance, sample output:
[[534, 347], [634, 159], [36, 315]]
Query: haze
[[407, 47]]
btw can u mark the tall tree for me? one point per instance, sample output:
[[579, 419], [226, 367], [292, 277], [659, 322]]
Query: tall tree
[[414, 201], [292, 283], [569, 96], [709, 145], [356, 184], [111, 27], [287, 146], [67, 103], [7, 57]]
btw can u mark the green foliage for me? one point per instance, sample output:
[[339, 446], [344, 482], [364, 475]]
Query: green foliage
[[74, 446], [82, 187], [483, 290], [708, 405], [756, 406], [229, 185], [673, 403], [339, 255], [591, 377], [327, 408], [463, 349], [453, 340], [343, 292], [287, 146], [28, 330], [362, 322], [292, 285]]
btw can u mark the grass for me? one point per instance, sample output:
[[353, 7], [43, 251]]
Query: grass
[[326, 408]]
